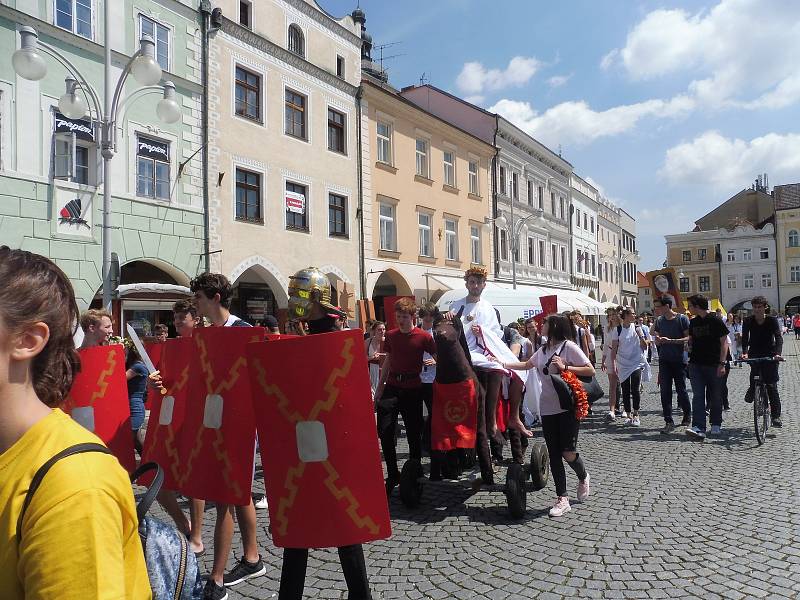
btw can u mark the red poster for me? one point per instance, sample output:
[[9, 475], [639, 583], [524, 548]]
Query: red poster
[[218, 438], [388, 310], [454, 417], [322, 468], [154, 351], [98, 400], [549, 305], [168, 411]]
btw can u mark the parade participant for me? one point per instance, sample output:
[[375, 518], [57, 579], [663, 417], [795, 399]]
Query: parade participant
[[97, 327], [399, 391], [309, 303], [78, 537], [559, 426], [483, 333], [426, 313], [373, 346], [670, 334], [136, 374], [161, 332], [708, 338], [582, 333], [761, 337], [614, 390], [212, 296], [271, 324], [627, 344]]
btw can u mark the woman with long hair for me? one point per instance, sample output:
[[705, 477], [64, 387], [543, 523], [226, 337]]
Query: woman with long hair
[[373, 346], [559, 426], [614, 321], [84, 506]]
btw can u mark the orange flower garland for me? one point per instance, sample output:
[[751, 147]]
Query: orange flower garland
[[578, 393]]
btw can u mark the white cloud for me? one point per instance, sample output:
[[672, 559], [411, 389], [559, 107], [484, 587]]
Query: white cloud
[[476, 79], [741, 52], [558, 80], [727, 163], [476, 100]]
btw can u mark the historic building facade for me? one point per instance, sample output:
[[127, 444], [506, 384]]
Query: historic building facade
[[629, 257], [608, 233], [787, 241], [584, 235]]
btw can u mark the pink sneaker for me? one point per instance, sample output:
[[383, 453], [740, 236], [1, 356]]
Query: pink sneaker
[[560, 507], [583, 489]]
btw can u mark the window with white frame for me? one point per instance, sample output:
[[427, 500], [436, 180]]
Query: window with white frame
[[687, 256], [731, 282], [152, 168], [704, 283], [585, 222], [763, 253], [541, 197], [702, 253], [74, 150], [531, 251], [731, 255], [794, 239], [514, 186], [337, 215], [451, 239], [530, 193], [594, 265], [553, 257], [297, 44], [553, 203], [160, 35], [247, 90], [337, 131], [748, 281], [766, 280], [542, 255], [473, 178], [591, 221], [449, 168], [297, 204], [295, 116], [384, 142], [502, 177], [248, 196], [794, 274], [563, 259], [340, 66], [75, 16], [561, 207], [245, 14], [425, 247], [503, 236], [475, 244], [388, 230], [422, 157], [578, 218], [747, 254]]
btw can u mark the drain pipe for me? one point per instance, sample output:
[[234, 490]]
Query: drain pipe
[[205, 12], [362, 276]]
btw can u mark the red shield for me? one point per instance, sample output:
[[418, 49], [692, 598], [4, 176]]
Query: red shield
[[319, 446], [98, 400], [219, 434], [454, 417], [168, 411]]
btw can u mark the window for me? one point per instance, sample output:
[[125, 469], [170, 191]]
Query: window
[[731, 255], [561, 207], [684, 284], [530, 193], [594, 266], [422, 158], [340, 66], [577, 218], [296, 41], [336, 131], [541, 197], [553, 257], [553, 203], [244, 14], [160, 35], [502, 180], [514, 186], [794, 239], [337, 215], [425, 234], [701, 253], [451, 239], [531, 251], [766, 280], [449, 168], [296, 206], [687, 256], [473, 178], [585, 222], [748, 282], [591, 222], [75, 16], [731, 282], [563, 259], [152, 168], [295, 114], [384, 143], [763, 253], [248, 94], [475, 243], [516, 250], [503, 244], [747, 254], [794, 274], [578, 258], [388, 236], [71, 158], [248, 196], [704, 283]]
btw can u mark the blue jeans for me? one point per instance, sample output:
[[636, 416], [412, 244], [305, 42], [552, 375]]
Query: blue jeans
[[706, 388], [669, 371]]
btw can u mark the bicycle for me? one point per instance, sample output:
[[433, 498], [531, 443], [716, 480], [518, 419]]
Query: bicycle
[[761, 409]]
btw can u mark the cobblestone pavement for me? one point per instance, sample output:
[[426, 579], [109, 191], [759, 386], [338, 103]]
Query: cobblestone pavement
[[668, 517]]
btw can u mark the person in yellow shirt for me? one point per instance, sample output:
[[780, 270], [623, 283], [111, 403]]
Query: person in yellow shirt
[[79, 536]]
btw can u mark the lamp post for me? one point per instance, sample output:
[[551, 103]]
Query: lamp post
[[513, 228], [29, 63]]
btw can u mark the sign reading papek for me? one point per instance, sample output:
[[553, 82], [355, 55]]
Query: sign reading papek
[[218, 435], [98, 400], [316, 429]]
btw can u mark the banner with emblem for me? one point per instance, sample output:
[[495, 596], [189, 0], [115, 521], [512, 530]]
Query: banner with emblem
[[167, 411], [319, 450], [454, 415], [218, 438], [98, 400]]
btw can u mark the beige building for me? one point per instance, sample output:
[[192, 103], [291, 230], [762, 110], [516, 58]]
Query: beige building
[[693, 256], [787, 238], [608, 232], [426, 198], [284, 152]]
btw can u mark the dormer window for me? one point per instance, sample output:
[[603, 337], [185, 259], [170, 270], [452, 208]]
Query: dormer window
[[296, 41]]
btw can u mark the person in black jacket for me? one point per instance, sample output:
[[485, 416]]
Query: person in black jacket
[[762, 337]]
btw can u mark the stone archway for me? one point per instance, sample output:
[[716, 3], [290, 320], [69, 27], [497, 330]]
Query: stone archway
[[792, 307], [152, 270], [269, 273], [389, 283]]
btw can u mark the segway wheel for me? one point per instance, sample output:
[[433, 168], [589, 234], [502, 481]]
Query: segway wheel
[[411, 483], [540, 466], [516, 494]]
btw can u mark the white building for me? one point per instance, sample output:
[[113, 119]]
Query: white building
[[749, 265], [584, 227]]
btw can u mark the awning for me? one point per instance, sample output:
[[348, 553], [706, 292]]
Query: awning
[[156, 289]]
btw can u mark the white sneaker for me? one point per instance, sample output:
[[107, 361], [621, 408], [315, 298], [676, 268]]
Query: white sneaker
[[611, 416], [583, 489], [560, 507], [629, 421], [260, 503], [696, 433], [716, 429], [636, 422], [624, 415]]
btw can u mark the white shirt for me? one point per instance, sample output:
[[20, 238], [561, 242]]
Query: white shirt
[[629, 352]]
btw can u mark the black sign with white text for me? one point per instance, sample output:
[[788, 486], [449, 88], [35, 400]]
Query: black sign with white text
[[150, 148], [82, 128]]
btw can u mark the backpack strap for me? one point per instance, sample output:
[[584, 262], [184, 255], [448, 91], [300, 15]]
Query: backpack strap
[[42, 471], [150, 495]]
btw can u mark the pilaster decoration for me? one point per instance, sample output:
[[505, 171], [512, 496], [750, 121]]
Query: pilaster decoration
[[253, 40], [327, 21], [297, 177]]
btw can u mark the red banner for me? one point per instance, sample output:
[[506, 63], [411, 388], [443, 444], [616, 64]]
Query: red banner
[[218, 438], [98, 400], [549, 304], [168, 411], [319, 449], [454, 417]]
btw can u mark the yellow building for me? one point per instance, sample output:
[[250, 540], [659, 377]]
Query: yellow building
[[787, 237], [694, 258]]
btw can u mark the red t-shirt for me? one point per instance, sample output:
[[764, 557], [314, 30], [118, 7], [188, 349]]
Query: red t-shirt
[[406, 350]]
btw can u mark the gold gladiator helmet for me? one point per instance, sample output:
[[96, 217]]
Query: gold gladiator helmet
[[307, 286]]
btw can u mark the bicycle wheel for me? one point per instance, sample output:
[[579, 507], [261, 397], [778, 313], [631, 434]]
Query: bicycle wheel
[[761, 414]]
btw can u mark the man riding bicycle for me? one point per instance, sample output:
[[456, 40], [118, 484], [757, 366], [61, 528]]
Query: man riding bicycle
[[761, 338]]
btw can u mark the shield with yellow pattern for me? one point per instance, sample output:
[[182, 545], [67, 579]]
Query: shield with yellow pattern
[[319, 446]]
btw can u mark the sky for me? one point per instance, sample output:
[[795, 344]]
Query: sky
[[669, 108]]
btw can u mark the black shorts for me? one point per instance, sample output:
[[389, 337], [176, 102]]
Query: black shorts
[[560, 432]]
